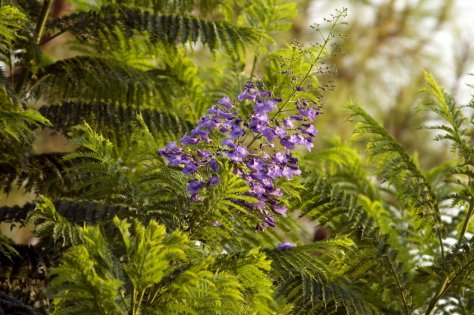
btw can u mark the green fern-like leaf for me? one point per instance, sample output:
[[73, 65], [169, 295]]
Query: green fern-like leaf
[[18, 124], [453, 273], [148, 270], [79, 212], [309, 276], [111, 120], [48, 223], [251, 267], [101, 80], [6, 248], [456, 131], [327, 202], [180, 6], [87, 26], [12, 21], [10, 305], [8, 98], [399, 169]]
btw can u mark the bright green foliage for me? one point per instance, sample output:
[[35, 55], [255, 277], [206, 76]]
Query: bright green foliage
[[148, 271], [12, 21], [16, 124]]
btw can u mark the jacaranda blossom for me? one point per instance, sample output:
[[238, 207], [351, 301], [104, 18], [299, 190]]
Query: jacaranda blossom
[[259, 147]]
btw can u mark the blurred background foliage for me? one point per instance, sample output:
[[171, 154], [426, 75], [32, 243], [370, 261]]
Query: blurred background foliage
[[390, 44]]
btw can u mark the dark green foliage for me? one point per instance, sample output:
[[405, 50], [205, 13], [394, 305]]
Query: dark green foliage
[[108, 119], [30, 172], [329, 203], [95, 80], [10, 305], [309, 278], [87, 26]]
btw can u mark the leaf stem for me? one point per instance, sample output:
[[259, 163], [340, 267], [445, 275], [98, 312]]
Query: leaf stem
[[444, 285], [467, 220], [43, 18], [254, 65], [50, 38], [305, 77], [437, 296], [399, 284]]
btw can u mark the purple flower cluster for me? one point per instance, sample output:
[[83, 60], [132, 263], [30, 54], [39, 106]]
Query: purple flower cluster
[[259, 148]]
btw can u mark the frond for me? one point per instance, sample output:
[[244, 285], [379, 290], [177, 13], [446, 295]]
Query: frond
[[398, 168], [31, 9], [342, 164], [8, 98], [445, 108], [147, 269], [270, 17], [101, 80], [251, 267], [112, 120], [48, 223], [87, 26], [104, 173], [79, 212], [458, 267], [326, 202], [12, 21], [10, 305], [309, 277], [204, 292], [226, 203], [78, 287], [18, 124], [6, 247], [29, 172], [193, 97], [167, 6]]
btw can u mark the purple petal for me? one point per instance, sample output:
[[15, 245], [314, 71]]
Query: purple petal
[[225, 101], [228, 142], [188, 140], [269, 134], [310, 112], [237, 154], [309, 130], [190, 168], [265, 106], [281, 210], [236, 131], [269, 220], [289, 122], [214, 180], [194, 186], [279, 157], [214, 165], [204, 154], [285, 246]]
